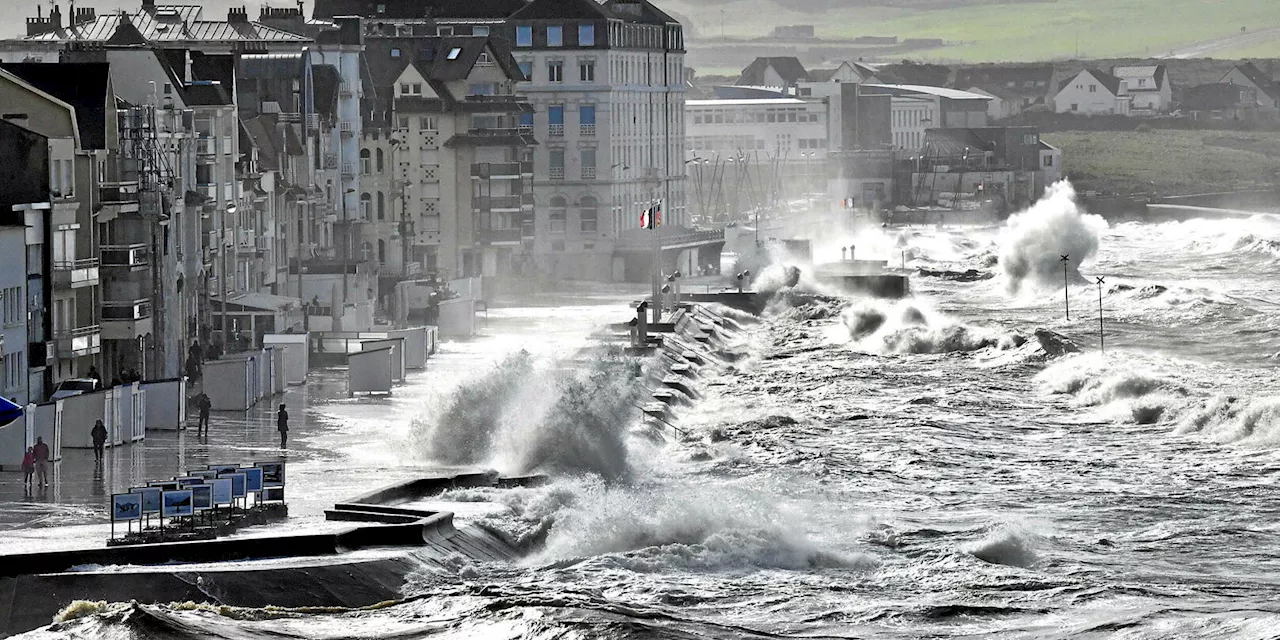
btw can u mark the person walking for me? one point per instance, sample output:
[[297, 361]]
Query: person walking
[[99, 435], [282, 424], [28, 467], [41, 454], [203, 404]]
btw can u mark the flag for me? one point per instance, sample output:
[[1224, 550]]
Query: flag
[[651, 218]]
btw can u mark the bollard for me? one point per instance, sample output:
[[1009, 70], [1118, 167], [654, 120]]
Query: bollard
[[851, 248], [642, 325], [844, 254]]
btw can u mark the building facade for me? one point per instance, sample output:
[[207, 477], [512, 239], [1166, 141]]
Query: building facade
[[1093, 92]]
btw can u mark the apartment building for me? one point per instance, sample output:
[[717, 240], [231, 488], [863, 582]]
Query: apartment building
[[25, 190], [607, 85]]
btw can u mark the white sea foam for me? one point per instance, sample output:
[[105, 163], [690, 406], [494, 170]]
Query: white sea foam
[[1034, 240]]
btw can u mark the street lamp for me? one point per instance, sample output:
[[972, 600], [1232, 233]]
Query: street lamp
[[230, 210]]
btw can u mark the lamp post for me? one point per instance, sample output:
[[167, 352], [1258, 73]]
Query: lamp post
[[229, 211]]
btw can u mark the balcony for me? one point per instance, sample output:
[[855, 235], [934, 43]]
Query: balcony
[[74, 343], [556, 173], [347, 89], [499, 236], [497, 203], [246, 242], [556, 131], [347, 127], [496, 170], [526, 129], [526, 169], [290, 118], [588, 173], [125, 256], [126, 320], [76, 273], [348, 170], [587, 130], [118, 200], [526, 201]]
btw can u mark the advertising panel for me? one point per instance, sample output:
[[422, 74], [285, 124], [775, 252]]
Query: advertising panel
[[253, 478], [221, 491], [272, 473], [176, 503], [150, 498], [126, 506], [202, 497], [238, 484]]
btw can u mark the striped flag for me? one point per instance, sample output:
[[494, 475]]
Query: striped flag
[[651, 218]]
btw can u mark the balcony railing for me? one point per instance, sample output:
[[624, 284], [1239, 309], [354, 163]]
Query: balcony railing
[[501, 170], [556, 173], [556, 131], [526, 129], [76, 273], [83, 341], [126, 311], [118, 195], [587, 130], [588, 173], [124, 255], [346, 89], [348, 170], [347, 127], [494, 132], [290, 118]]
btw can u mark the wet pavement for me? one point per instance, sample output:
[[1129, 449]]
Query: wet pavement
[[338, 446]]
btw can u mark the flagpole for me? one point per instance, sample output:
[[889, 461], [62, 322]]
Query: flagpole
[[657, 262]]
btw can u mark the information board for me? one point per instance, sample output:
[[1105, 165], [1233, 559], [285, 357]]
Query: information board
[[176, 503], [126, 506]]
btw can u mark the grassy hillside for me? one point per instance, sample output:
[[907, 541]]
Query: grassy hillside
[[1011, 31], [1169, 162]]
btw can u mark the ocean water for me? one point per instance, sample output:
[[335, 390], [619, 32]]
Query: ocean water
[[882, 469]]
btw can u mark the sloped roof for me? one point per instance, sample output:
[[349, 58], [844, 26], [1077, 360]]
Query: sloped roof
[[643, 11], [921, 89], [1027, 80], [1261, 80], [1154, 72], [165, 24], [998, 91], [207, 93], [439, 9], [1107, 80], [822, 75], [788, 67], [262, 133], [83, 85], [562, 10]]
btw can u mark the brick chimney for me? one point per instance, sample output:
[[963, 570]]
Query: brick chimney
[[238, 16], [84, 15], [41, 25]]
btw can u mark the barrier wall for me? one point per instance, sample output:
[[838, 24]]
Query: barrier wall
[[229, 384], [472, 288], [370, 371], [166, 404], [457, 318], [397, 355], [78, 415], [45, 421], [415, 346], [296, 355], [433, 340], [13, 444]]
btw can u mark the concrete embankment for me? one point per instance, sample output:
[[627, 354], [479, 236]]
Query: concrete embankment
[[317, 570]]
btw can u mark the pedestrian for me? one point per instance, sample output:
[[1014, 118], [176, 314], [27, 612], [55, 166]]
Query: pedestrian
[[41, 454], [203, 404], [99, 435], [28, 466], [282, 423], [93, 373]]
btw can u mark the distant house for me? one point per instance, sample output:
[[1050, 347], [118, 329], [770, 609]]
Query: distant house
[[846, 72], [1092, 92], [1030, 84], [1003, 103], [773, 72], [1266, 90], [1149, 87], [1220, 101]]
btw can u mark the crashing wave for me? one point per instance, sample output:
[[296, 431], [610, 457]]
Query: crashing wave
[[1034, 240]]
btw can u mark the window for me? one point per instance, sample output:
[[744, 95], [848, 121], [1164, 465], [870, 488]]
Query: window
[[454, 53], [557, 214], [588, 157], [526, 67], [1093, 88], [382, 206], [555, 36], [366, 206], [395, 53], [586, 35], [587, 70], [444, 31], [1075, 107], [555, 71], [483, 89], [526, 122], [556, 165], [555, 120], [365, 167], [1141, 82], [13, 311], [416, 89], [524, 36], [479, 31], [404, 88], [427, 123], [381, 161], [1048, 161], [589, 214], [587, 118]]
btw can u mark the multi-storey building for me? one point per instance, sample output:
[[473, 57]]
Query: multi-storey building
[[72, 112], [606, 82], [25, 192], [447, 164]]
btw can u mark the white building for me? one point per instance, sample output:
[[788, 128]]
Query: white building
[[607, 87], [1149, 87], [1093, 92]]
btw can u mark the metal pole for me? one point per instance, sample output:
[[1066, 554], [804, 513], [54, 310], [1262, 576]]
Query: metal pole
[[230, 210], [657, 266], [1066, 298], [1102, 344]]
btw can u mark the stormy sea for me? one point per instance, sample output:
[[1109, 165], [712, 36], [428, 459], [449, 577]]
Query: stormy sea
[[966, 462]]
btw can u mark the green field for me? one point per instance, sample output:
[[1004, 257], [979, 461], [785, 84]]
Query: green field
[[998, 32], [1169, 162]]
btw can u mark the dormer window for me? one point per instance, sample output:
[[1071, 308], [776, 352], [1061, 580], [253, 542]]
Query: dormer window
[[555, 36], [524, 36], [395, 53], [454, 53], [586, 35]]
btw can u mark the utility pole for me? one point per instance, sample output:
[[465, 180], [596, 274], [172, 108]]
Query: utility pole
[[229, 211], [1066, 292], [1102, 345]]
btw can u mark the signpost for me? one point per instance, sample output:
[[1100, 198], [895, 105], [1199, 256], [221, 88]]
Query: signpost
[[1066, 290], [1102, 344]]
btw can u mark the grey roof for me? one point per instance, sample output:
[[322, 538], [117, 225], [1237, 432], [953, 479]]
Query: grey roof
[[1109, 81], [403, 9], [788, 67], [1261, 80], [166, 23], [1156, 72], [1210, 97], [562, 10], [1027, 80]]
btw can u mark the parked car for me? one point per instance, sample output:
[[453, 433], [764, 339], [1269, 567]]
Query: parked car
[[73, 387]]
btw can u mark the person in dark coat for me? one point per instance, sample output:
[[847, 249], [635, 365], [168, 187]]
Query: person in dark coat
[[282, 424], [41, 454], [99, 435], [203, 405]]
